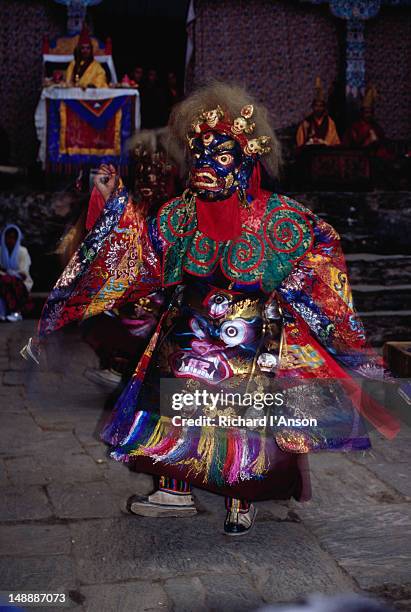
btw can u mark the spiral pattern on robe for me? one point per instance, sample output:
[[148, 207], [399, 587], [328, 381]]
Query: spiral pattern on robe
[[288, 231], [177, 222], [244, 256], [203, 252]]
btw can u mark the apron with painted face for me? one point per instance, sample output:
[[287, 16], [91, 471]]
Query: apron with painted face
[[220, 334], [219, 339]]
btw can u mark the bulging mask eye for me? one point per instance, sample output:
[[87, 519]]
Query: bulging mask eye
[[233, 333], [225, 159]]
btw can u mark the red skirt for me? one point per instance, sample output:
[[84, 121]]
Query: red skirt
[[14, 292]]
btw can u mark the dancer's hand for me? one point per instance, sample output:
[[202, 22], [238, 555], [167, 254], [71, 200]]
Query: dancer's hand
[[106, 180]]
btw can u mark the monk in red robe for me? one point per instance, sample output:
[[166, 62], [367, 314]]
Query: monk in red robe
[[366, 133]]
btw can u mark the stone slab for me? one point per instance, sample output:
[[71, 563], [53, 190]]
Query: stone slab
[[4, 362], [28, 540], [338, 482], [56, 418], [286, 562], [26, 471], [83, 500], [7, 392], [41, 574], [13, 379], [74, 468], [99, 453], [22, 424], [12, 404], [131, 547], [145, 596], [55, 443], [88, 432], [23, 503], [396, 475], [397, 450], [4, 480], [34, 442], [231, 593], [390, 271], [48, 409], [372, 545], [186, 594], [74, 398], [20, 434], [398, 596]]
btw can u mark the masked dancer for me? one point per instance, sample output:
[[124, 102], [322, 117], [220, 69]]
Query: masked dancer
[[256, 300]]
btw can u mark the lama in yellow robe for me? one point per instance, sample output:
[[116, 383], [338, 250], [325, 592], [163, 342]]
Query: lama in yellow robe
[[94, 75], [310, 132]]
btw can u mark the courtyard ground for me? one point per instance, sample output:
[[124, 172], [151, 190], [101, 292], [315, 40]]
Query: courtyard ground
[[63, 526]]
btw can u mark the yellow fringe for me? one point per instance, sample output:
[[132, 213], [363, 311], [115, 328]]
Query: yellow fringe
[[205, 449], [258, 466], [155, 438]]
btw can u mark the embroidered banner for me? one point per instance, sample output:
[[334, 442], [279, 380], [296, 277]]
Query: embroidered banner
[[88, 132]]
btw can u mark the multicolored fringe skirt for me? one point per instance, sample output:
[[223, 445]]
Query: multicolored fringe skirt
[[231, 461]]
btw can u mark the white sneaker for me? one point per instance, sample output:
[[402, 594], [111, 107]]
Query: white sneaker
[[14, 317], [105, 378], [239, 523], [162, 504]]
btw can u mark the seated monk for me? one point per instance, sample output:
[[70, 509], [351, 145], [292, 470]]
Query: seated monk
[[366, 133], [84, 71], [15, 279], [318, 128]]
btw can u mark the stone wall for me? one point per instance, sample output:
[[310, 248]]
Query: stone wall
[[43, 218], [368, 221], [278, 49]]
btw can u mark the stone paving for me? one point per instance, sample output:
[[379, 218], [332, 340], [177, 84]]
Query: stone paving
[[63, 526]]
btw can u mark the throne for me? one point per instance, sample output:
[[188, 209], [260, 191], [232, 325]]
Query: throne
[[58, 54], [82, 128]]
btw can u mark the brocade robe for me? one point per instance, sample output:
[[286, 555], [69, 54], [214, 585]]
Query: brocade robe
[[271, 308]]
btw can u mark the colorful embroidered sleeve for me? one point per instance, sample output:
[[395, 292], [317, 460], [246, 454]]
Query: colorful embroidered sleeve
[[318, 290], [116, 263], [323, 333]]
